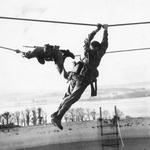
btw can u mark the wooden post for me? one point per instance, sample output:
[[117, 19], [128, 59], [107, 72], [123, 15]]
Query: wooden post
[[101, 124], [117, 136]]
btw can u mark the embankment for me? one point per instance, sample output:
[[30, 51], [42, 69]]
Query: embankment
[[81, 135]]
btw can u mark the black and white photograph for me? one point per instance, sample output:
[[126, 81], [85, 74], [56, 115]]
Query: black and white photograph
[[74, 75]]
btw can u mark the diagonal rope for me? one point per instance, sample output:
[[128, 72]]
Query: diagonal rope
[[10, 49], [71, 23], [119, 131]]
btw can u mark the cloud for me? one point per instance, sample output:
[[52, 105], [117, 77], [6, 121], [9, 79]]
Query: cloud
[[29, 9]]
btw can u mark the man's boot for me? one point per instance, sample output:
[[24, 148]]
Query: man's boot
[[56, 121]]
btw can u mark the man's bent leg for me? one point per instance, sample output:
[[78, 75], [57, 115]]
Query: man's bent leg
[[68, 93], [68, 101]]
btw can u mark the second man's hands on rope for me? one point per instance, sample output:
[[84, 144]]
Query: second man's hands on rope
[[99, 26], [105, 26]]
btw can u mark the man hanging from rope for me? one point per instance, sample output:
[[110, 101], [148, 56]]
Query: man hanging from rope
[[84, 73], [50, 53]]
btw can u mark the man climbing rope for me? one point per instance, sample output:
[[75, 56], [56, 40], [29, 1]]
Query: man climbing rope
[[50, 53], [84, 73]]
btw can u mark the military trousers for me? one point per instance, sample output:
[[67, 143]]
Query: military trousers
[[75, 90]]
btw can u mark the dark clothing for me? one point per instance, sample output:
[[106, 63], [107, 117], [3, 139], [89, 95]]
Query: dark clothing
[[47, 53], [50, 53], [93, 57], [75, 90], [83, 74]]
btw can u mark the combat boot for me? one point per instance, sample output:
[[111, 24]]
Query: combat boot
[[56, 121]]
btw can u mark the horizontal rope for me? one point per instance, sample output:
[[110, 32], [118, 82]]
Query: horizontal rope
[[71, 23], [118, 51], [127, 24], [129, 50], [48, 21]]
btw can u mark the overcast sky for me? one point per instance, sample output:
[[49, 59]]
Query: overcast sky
[[18, 74]]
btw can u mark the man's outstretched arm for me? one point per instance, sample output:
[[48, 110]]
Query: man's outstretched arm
[[90, 37], [36, 53], [104, 43]]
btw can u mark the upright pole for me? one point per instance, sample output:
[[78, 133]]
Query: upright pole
[[116, 122], [101, 125]]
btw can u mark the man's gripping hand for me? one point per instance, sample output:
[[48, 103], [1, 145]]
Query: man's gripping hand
[[99, 26], [105, 26]]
